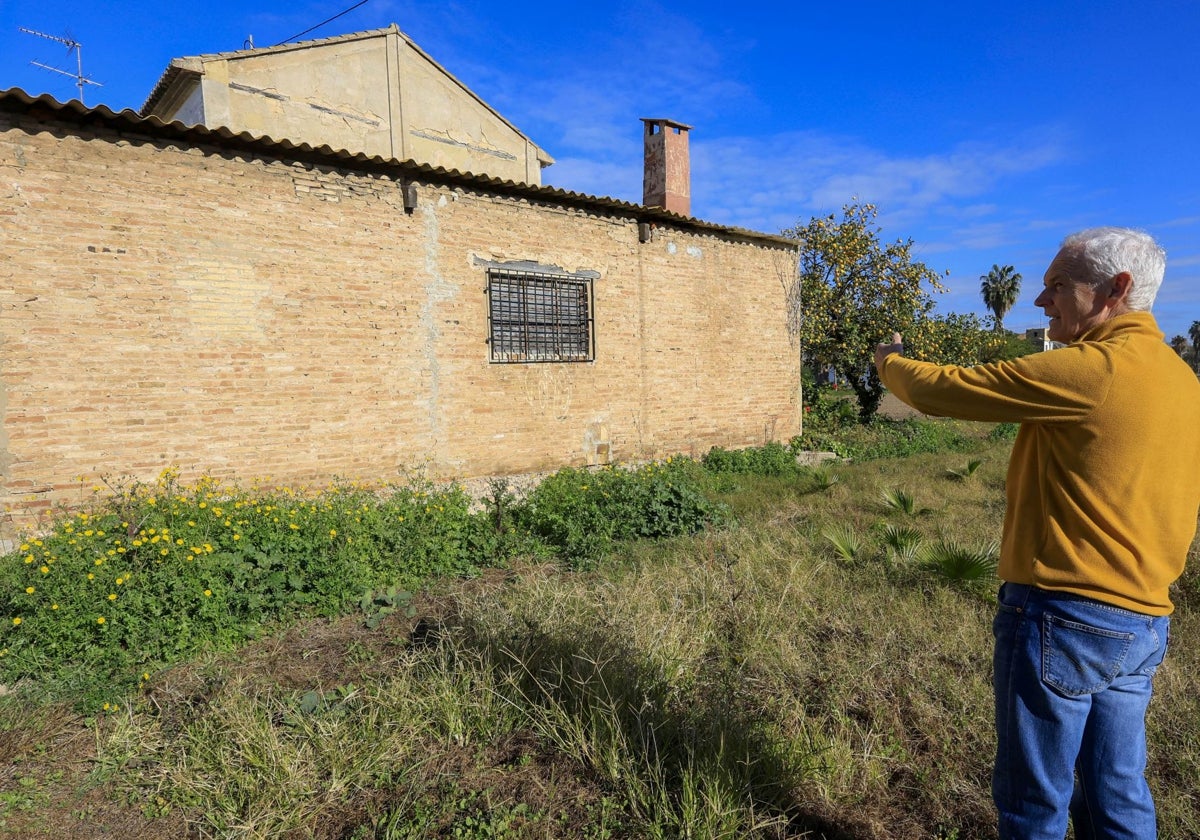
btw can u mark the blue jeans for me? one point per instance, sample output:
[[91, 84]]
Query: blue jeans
[[1072, 682]]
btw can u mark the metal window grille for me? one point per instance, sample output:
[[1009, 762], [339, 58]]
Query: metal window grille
[[539, 318]]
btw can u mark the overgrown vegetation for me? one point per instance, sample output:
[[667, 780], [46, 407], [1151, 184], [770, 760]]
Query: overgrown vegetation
[[852, 291], [831, 424], [756, 649]]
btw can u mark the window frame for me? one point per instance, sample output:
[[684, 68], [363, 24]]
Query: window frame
[[539, 317]]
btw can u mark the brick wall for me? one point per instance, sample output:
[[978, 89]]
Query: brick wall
[[244, 314]]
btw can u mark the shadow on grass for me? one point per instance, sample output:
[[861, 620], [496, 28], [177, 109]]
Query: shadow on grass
[[685, 750]]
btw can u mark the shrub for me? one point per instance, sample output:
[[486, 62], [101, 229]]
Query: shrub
[[1004, 431], [155, 573], [771, 459], [886, 438], [827, 409], [581, 515]]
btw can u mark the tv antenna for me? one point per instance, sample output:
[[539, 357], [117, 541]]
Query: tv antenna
[[72, 46]]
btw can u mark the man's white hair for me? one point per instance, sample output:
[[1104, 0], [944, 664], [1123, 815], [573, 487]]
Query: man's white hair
[[1105, 252]]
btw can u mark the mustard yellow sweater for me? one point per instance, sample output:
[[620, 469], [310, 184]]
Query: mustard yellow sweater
[[1104, 480]]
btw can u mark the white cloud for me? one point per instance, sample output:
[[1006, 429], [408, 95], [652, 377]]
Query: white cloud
[[769, 182], [610, 180]]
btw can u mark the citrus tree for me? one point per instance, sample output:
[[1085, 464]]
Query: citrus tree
[[960, 340], [851, 291]]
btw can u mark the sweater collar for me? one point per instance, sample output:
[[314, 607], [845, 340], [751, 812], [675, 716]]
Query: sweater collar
[[1127, 324]]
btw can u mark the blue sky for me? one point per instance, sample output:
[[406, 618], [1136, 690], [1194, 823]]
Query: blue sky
[[984, 131]]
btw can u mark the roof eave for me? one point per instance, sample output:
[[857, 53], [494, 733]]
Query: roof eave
[[45, 107]]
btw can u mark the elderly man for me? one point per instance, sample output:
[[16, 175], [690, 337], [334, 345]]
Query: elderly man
[[1103, 493]]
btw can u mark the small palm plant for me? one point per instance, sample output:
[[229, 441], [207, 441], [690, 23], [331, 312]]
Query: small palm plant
[[966, 472], [822, 477], [963, 564], [846, 541], [903, 502], [902, 541]]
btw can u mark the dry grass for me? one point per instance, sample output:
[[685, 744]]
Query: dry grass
[[748, 683]]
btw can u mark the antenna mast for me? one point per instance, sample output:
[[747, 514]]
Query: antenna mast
[[72, 45]]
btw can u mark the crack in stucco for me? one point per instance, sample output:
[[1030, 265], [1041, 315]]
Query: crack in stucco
[[445, 137]]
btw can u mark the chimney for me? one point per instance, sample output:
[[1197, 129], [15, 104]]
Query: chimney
[[667, 181]]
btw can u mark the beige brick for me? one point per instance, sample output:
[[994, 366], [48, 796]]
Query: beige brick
[[179, 305]]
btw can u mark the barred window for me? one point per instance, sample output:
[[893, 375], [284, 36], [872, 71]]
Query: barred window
[[539, 317]]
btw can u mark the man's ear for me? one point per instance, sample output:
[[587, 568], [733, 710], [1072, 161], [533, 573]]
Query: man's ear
[[1122, 284]]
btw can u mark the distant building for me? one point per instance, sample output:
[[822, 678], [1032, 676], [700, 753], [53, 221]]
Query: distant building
[[1039, 339], [374, 92]]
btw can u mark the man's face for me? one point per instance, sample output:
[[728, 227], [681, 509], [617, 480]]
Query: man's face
[[1073, 305]]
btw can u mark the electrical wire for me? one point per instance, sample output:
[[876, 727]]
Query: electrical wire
[[322, 23]]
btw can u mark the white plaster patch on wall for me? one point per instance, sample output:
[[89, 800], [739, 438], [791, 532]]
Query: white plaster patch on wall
[[437, 292], [694, 252], [671, 249]]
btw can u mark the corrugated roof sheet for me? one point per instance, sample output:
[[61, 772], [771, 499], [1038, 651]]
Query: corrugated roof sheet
[[46, 108]]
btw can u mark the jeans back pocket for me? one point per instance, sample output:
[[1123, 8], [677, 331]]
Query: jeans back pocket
[[1080, 659]]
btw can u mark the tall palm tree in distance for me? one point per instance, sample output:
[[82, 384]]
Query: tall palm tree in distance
[[1179, 344], [1194, 334], [1000, 288]]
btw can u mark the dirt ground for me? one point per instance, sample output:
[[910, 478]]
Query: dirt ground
[[889, 406], [52, 786]]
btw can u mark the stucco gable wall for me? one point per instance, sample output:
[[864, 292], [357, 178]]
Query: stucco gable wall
[[447, 127], [334, 94], [375, 93]]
